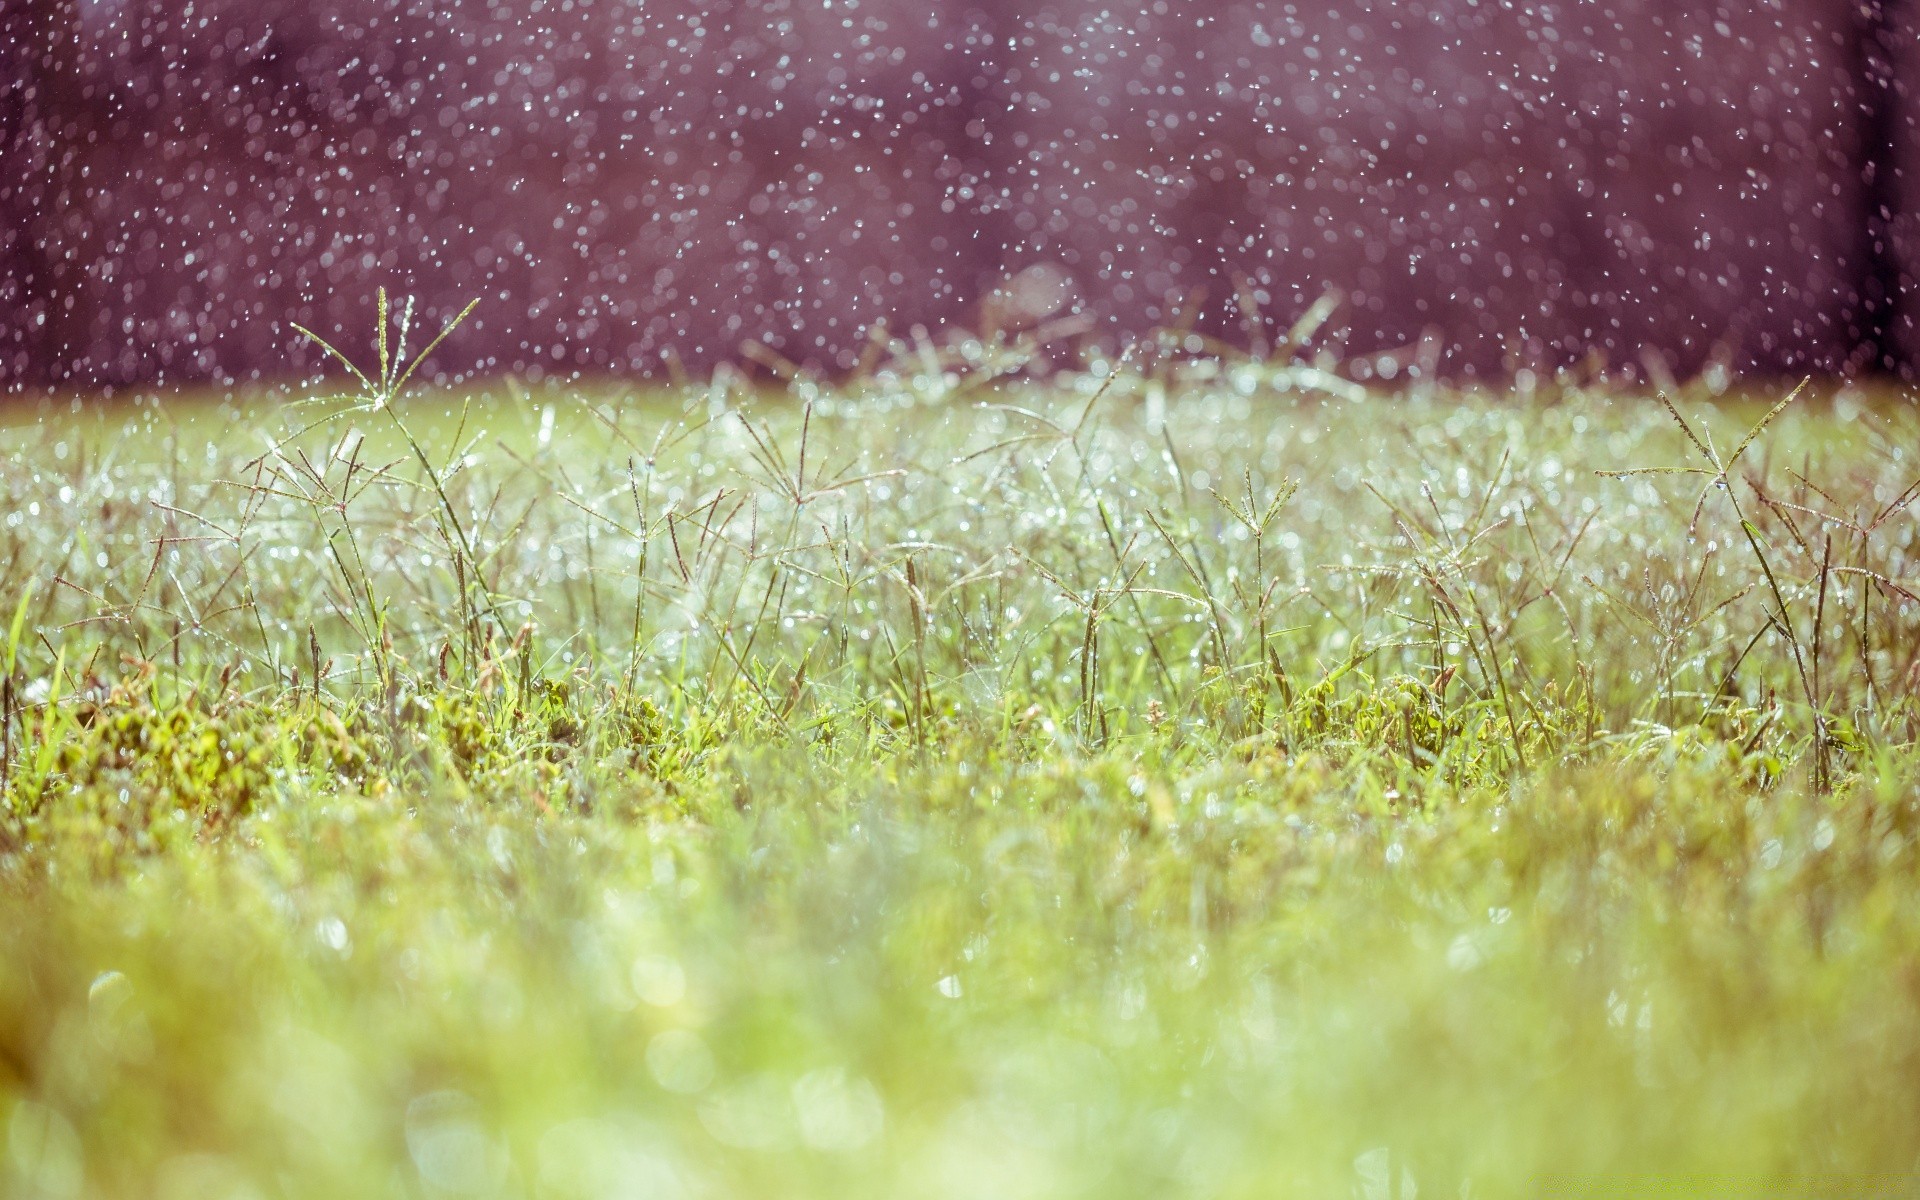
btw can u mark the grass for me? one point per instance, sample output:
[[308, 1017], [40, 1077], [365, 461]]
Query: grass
[[1190, 778]]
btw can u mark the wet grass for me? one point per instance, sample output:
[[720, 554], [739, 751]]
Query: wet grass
[[1189, 779]]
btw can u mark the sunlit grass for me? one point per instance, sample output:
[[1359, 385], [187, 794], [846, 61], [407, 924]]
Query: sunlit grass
[[1183, 781]]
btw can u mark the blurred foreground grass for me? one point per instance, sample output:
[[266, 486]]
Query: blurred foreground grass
[[877, 792]]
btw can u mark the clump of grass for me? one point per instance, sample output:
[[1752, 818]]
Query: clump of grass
[[1199, 777]]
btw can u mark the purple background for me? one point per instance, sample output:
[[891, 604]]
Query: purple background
[[1520, 183]]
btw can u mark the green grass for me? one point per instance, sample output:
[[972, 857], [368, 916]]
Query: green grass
[[929, 786]]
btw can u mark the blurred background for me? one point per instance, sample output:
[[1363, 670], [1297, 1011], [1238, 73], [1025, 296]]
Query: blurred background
[[1491, 186]]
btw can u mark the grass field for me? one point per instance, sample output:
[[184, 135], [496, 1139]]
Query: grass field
[[1191, 779]]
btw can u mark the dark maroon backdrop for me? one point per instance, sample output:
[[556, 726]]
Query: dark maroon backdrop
[[1522, 183]]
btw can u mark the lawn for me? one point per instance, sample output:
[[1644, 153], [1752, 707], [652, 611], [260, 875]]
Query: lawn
[[1191, 777]]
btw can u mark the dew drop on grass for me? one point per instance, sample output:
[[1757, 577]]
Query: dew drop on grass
[[679, 1061], [332, 932], [754, 1114], [659, 981], [109, 991], [1823, 833], [45, 1151], [450, 1146], [837, 1111]]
